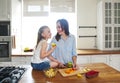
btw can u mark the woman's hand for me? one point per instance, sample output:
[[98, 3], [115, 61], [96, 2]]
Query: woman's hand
[[61, 65], [75, 66]]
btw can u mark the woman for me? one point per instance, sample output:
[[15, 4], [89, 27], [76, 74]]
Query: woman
[[65, 51]]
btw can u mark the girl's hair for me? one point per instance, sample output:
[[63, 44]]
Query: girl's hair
[[65, 26], [40, 37]]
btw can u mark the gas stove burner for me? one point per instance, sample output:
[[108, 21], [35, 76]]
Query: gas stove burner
[[11, 74]]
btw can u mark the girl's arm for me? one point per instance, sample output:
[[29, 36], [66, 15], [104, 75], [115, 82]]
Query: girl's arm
[[43, 52], [53, 59]]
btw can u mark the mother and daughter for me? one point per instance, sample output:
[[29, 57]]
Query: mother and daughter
[[54, 56]]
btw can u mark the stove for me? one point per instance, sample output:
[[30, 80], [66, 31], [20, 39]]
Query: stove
[[11, 74]]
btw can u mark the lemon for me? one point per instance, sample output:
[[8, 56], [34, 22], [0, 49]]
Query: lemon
[[26, 48], [79, 75], [53, 44]]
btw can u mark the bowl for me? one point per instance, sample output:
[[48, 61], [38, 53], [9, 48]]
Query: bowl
[[50, 72], [91, 74]]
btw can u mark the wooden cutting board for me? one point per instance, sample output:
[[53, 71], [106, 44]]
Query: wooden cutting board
[[62, 72]]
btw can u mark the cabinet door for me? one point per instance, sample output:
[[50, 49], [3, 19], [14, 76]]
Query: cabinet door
[[109, 25], [19, 60], [100, 59], [5, 8], [115, 61], [81, 59]]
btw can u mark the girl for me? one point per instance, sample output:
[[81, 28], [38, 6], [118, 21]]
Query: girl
[[42, 59]]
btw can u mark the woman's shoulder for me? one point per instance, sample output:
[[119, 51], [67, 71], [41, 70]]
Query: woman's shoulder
[[71, 35]]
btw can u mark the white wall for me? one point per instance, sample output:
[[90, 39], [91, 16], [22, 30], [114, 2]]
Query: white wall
[[16, 23], [86, 16]]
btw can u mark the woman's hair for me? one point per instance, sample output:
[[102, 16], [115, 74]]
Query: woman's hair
[[65, 26], [40, 37]]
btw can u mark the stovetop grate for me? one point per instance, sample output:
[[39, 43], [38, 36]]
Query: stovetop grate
[[11, 74]]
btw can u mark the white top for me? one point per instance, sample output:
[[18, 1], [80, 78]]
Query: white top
[[36, 56]]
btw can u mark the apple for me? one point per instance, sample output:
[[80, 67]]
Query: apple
[[53, 44], [69, 65]]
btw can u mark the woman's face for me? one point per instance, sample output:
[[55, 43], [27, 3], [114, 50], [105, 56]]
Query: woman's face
[[59, 29]]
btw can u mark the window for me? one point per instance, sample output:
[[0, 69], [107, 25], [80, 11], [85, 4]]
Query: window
[[42, 7], [34, 15], [35, 7]]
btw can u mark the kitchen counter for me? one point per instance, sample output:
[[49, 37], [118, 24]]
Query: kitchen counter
[[79, 52], [95, 52], [106, 75]]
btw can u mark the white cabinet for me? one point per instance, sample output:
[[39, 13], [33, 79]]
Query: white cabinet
[[21, 60], [108, 24], [100, 59], [114, 61], [5, 9], [83, 59]]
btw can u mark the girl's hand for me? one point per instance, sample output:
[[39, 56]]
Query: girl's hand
[[53, 48]]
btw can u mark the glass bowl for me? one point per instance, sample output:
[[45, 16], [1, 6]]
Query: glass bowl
[[50, 72]]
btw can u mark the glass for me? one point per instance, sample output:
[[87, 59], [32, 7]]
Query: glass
[[110, 29], [109, 5], [115, 13], [118, 43], [106, 29], [115, 44], [119, 20], [109, 20], [115, 20], [106, 5], [115, 30], [110, 37], [106, 12], [119, 30], [115, 37], [118, 5], [106, 37], [110, 44], [106, 20], [118, 36], [119, 12], [115, 5], [109, 12], [106, 44], [4, 49]]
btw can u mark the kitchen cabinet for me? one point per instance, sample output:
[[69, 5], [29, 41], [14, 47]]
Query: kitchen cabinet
[[83, 59], [100, 59], [18, 60], [21, 60], [5, 10], [108, 24], [114, 61]]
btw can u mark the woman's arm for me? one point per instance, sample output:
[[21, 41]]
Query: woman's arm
[[74, 57]]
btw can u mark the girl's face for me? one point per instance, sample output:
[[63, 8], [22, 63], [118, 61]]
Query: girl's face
[[59, 29], [46, 33]]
